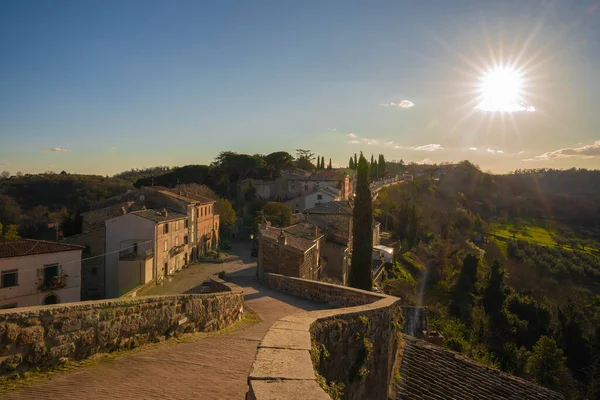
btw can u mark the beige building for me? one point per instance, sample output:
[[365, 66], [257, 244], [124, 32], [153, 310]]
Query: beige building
[[144, 245], [37, 272]]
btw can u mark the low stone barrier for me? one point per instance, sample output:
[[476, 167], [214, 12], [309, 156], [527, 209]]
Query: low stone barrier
[[46, 335], [342, 353]]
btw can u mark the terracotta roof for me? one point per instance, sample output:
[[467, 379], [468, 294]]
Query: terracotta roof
[[29, 247], [293, 241], [184, 196], [157, 216], [331, 207], [432, 372]]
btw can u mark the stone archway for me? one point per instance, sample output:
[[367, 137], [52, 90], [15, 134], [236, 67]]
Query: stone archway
[[51, 299]]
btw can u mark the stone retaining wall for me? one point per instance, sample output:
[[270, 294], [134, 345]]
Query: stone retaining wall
[[341, 353], [40, 336]]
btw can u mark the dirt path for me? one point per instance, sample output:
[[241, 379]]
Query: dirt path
[[211, 368]]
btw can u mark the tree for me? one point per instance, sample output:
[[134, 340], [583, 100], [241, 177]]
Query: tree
[[277, 162], [381, 167], [355, 162], [351, 163], [11, 233], [5, 174], [19, 174], [10, 212], [279, 214], [322, 162], [362, 231], [227, 217], [304, 159], [329, 165], [1, 229], [546, 363], [318, 162], [250, 192], [461, 297]]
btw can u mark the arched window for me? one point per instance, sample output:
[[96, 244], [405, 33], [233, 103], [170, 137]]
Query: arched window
[[51, 299]]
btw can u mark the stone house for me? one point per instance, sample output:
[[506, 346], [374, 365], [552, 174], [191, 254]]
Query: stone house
[[322, 195], [291, 251], [143, 246], [37, 272], [266, 190], [291, 186]]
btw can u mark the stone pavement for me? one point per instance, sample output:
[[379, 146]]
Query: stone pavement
[[215, 367]]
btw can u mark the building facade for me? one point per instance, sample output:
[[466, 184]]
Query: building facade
[[37, 272], [322, 195]]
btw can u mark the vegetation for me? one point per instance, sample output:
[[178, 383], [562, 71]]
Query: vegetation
[[278, 214], [362, 232], [227, 216], [526, 298]]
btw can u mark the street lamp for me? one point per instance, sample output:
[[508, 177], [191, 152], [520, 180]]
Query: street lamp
[[252, 236]]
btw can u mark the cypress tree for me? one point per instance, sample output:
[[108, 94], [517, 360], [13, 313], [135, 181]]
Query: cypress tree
[[318, 162], [322, 162], [355, 162], [381, 166], [362, 231], [351, 163], [329, 166]]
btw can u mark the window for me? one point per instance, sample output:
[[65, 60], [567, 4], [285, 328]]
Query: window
[[201, 211], [176, 225], [166, 228], [319, 197], [186, 224], [177, 241], [94, 271], [9, 278], [87, 250], [50, 272], [166, 245], [185, 240]]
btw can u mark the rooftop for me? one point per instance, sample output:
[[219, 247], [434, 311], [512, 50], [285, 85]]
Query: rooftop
[[432, 372], [182, 195], [157, 215], [296, 242], [30, 247], [332, 207]]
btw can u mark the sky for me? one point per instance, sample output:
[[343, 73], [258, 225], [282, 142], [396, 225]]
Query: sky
[[105, 86]]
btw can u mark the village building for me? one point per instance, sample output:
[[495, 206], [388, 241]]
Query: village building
[[38, 272], [322, 195]]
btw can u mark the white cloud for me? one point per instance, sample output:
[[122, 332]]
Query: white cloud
[[60, 150], [397, 147], [473, 148], [429, 147], [352, 135], [521, 152], [425, 161], [587, 151], [389, 143], [352, 141], [371, 142], [499, 152], [364, 140], [332, 129], [401, 104]]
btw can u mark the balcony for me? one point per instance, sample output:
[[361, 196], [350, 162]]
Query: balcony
[[177, 250], [53, 282]]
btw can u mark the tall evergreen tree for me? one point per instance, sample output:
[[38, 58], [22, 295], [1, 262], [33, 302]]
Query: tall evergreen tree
[[318, 162], [461, 298], [351, 163], [322, 162], [381, 167], [373, 171], [355, 161], [362, 230], [329, 165]]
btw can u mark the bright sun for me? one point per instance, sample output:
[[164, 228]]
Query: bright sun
[[501, 91]]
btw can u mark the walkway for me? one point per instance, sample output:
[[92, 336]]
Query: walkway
[[211, 368]]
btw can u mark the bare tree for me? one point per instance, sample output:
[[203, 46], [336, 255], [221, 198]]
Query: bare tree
[[5, 174]]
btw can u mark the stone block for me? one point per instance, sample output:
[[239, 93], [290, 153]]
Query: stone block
[[11, 363], [64, 350], [286, 339], [282, 364], [71, 324], [11, 332], [31, 335], [283, 390], [37, 354]]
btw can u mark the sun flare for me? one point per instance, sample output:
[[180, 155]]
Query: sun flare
[[501, 90]]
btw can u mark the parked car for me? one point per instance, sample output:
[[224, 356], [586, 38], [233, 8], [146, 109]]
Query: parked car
[[206, 287]]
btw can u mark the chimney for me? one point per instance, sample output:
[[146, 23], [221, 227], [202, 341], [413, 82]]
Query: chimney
[[165, 213], [282, 239]]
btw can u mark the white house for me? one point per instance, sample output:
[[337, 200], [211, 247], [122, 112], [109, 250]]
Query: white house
[[144, 245], [322, 195], [37, 272]]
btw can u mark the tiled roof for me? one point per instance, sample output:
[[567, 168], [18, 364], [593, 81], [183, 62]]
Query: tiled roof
[[184, 196], [295, 242], [304, 229], [29, 247], [431, 372], [331, 207], [156, 215]]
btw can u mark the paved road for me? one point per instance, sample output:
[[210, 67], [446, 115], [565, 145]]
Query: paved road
[[211, 368]]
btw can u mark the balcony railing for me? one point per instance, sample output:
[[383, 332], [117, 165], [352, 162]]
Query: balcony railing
[[54, 282]]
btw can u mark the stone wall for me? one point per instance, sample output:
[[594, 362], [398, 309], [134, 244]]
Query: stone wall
[[38, 336], [340, 353]]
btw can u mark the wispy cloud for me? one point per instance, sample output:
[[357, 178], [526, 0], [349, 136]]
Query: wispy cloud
[[401, 104], [352, 135], [499, 152], [352, 141], [6, 164], [492, 151], [372, 142], [429, 147], [389, 143], [58, 149], [521, 152], [473, 148], [427, 161], [587, 151], [332, 129]]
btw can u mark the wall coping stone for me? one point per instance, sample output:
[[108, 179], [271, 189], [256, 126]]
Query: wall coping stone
[[283, 366]]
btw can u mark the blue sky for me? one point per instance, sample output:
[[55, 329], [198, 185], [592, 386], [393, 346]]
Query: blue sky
[[104, 86]]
